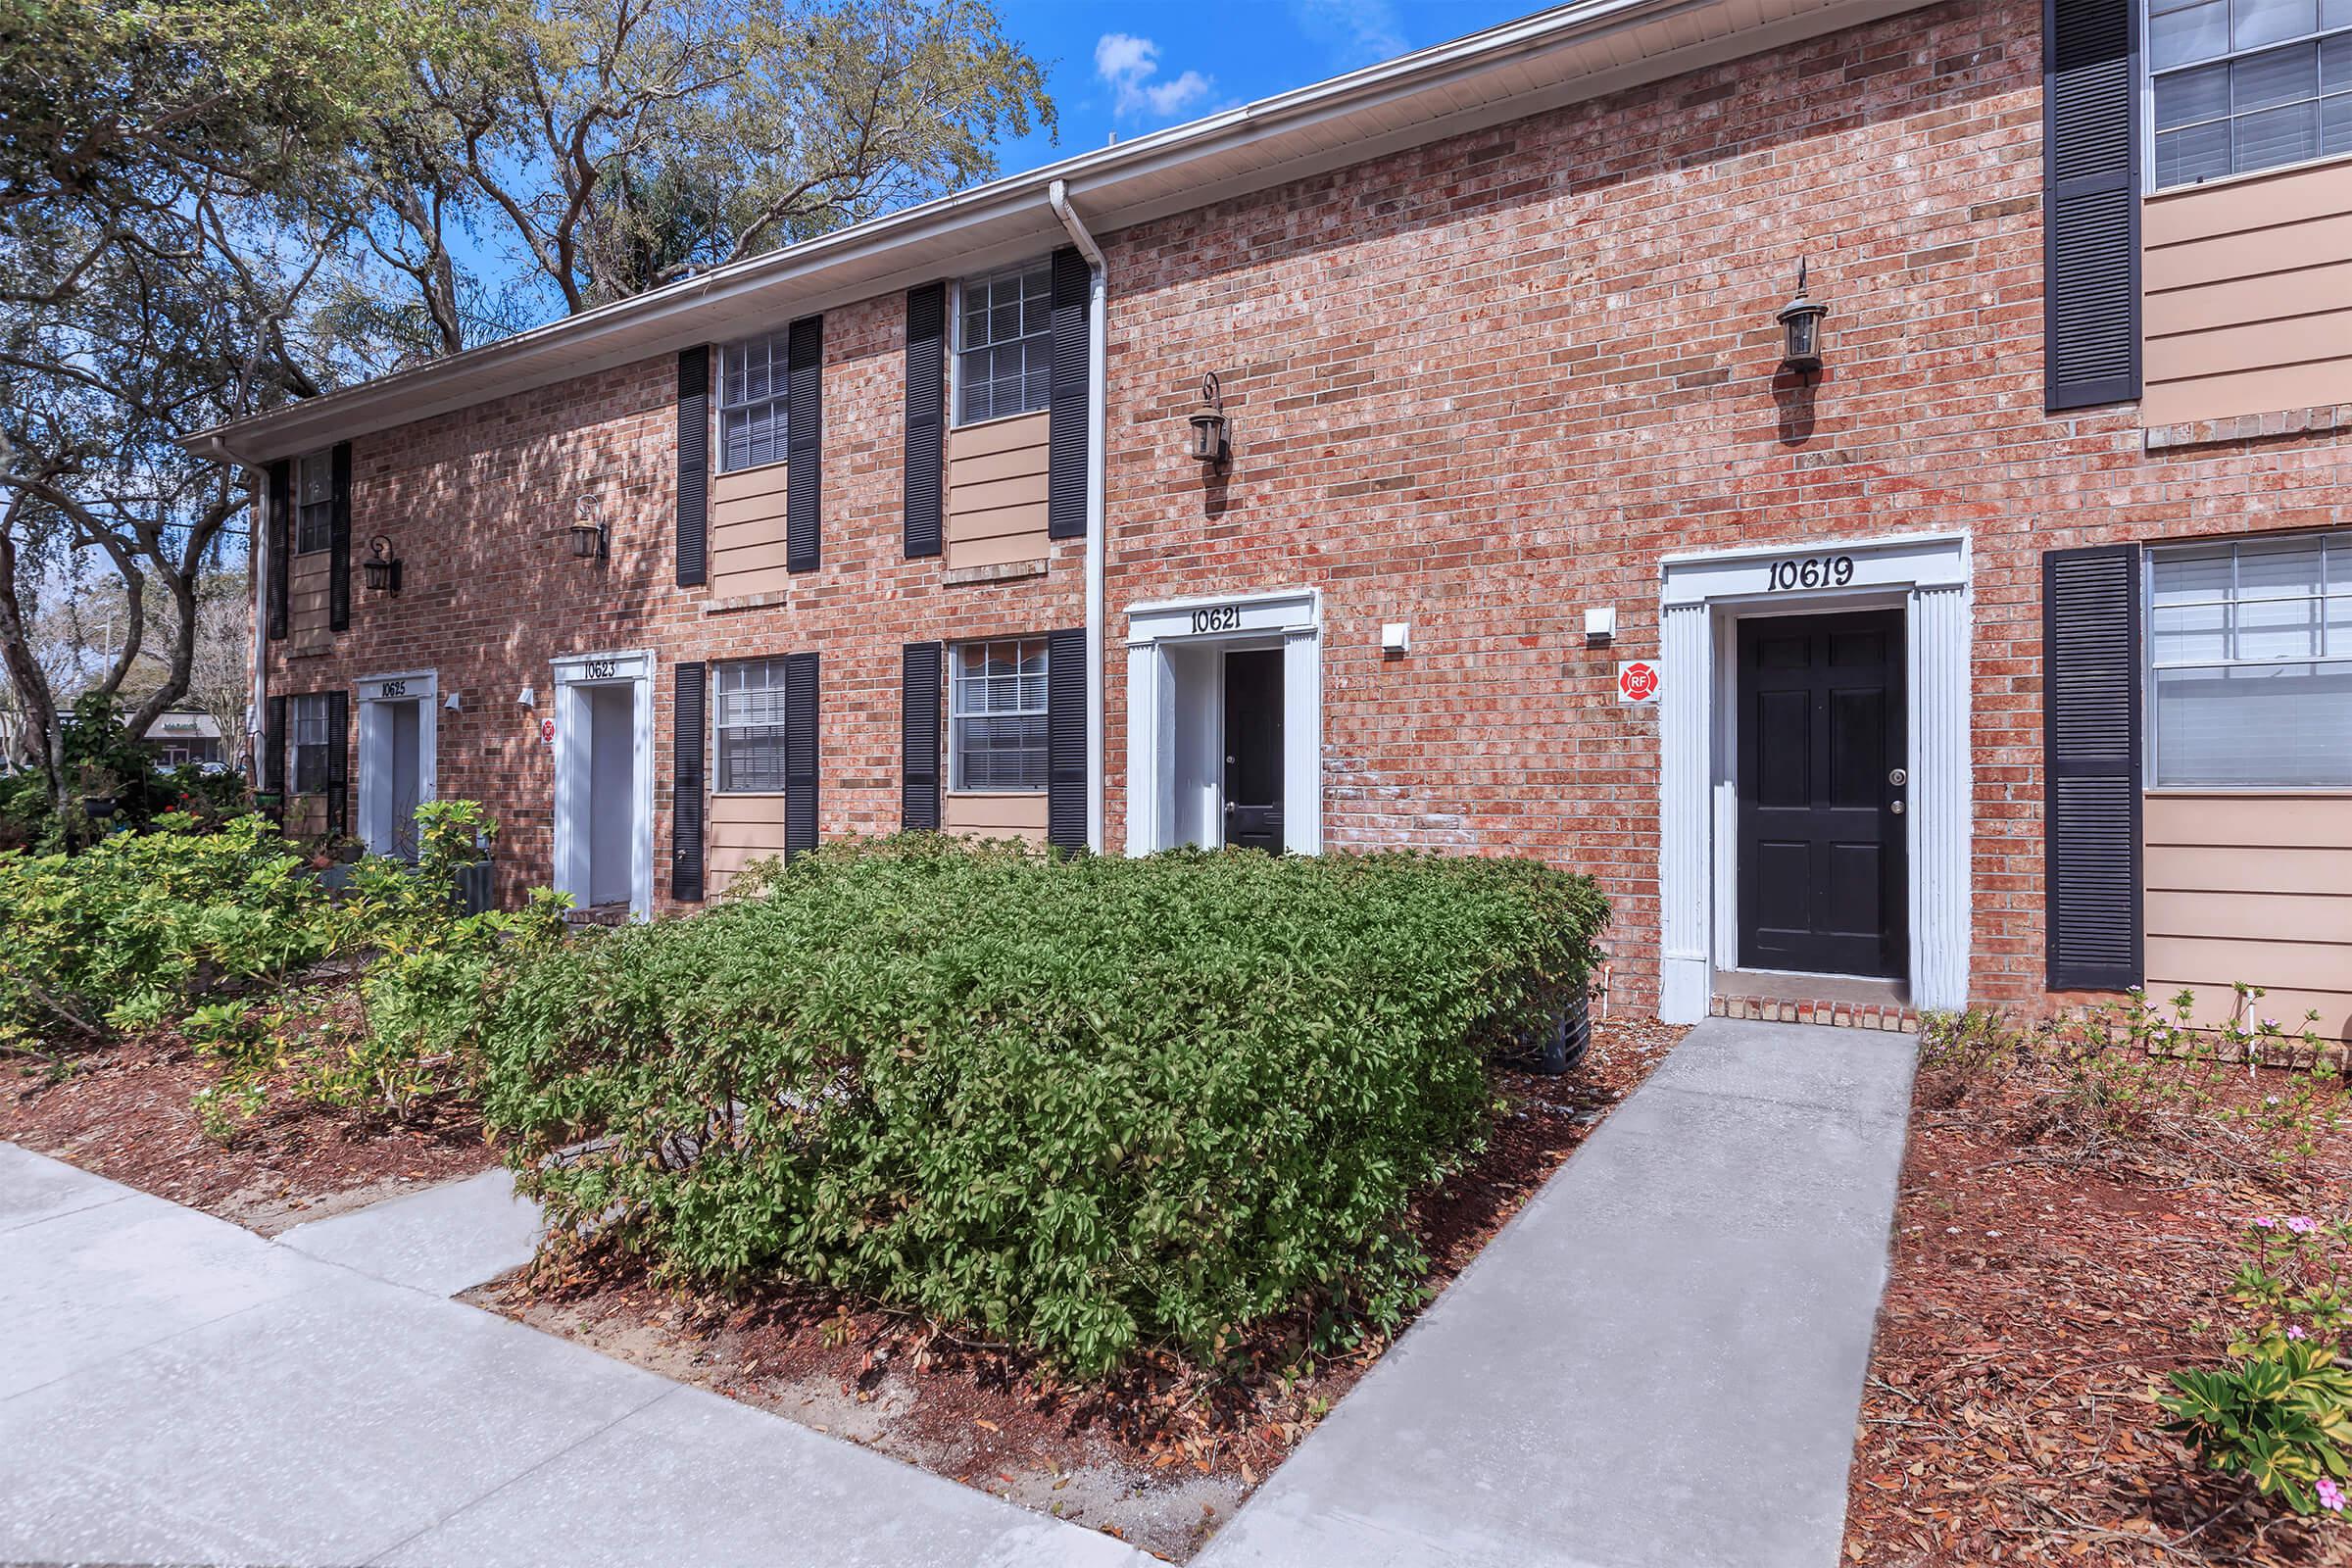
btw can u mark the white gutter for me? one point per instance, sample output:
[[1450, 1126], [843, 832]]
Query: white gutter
[[1057, 195], [257, 559]]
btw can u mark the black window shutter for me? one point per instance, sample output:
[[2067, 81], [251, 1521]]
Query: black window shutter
[[800, 752], [2091, 196], [339, 763], [926, 416], [919, 738], [2091, 750], [1068, 426], [1065, 739], [269, 768], [694, 467], [279, 518], [338, 587], [804, 437], [686, 800]]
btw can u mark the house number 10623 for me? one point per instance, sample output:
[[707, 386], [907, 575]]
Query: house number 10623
[[1820, 571]]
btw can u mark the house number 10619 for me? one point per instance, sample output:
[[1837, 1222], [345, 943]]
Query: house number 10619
[[1831, 572]]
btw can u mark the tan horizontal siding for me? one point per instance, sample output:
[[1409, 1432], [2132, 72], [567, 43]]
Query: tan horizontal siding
[[310, 616], [2246, 301], [743, 828], [2254, 889], [747, 531], [998, 816], [995, 501]]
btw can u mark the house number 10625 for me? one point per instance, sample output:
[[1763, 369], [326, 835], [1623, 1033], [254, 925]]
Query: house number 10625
[[1831, 572]]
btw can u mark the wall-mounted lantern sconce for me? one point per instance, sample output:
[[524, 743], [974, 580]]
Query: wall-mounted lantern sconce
[[591, 540], [1801, 328], [381, 568], [1213, 432]]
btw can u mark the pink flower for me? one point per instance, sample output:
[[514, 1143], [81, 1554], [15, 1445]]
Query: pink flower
[[2264, 1223], [2302, 1225], [2332, 1496], [2296, 1333]]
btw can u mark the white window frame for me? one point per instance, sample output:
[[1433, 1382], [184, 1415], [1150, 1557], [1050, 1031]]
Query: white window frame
[[309, 711], [2333, 542], [777, 345], [720, 723], [305, 510], [958, 712], [957, 382], [2147, 102]]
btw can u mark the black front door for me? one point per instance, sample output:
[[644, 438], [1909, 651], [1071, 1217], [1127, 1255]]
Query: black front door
[[1822, 794], [1253, 750]]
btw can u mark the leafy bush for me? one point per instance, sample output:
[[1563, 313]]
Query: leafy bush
[[1085, 1104], [2280, 1414]]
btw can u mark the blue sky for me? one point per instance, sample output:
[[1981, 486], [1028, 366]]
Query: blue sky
[[1125, 68]]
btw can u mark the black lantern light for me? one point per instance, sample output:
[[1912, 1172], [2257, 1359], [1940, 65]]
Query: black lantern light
[[590, 540], [1213, 432], [1800, 327], [381, 568]]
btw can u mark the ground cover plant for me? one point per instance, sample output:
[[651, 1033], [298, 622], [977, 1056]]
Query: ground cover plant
[[2110, 1331], [1094, 1107]]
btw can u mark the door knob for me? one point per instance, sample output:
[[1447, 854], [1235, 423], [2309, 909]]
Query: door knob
[[1228, 807], [1897, 808]]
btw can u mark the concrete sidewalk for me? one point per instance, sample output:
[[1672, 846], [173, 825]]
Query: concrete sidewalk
[[1658, 1362], [174, 1388]]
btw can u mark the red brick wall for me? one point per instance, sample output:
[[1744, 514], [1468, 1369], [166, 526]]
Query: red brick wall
[[1479, 387]]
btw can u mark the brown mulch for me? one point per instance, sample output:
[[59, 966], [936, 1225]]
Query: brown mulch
[[2038, 1300], [1161, 1453], [127, 1112]]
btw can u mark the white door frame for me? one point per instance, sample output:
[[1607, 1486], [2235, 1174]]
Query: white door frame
[[574, 675], [1704, 595], [1291, 619], [423, 687]]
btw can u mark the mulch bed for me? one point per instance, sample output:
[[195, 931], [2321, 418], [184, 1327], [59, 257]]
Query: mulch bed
[[1158, 1455], [127, 1112], [2036, 1302]]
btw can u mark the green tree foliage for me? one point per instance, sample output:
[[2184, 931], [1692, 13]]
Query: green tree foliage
[[1086, 1105]]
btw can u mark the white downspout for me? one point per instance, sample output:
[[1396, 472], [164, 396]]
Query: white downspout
[[1097, 546]]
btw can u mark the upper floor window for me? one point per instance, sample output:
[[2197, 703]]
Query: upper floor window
[[2250, 649], [751, 385], [996, 716], [2249, 84], [309, 732], [1004, 342], [314, 503], [750, 720]]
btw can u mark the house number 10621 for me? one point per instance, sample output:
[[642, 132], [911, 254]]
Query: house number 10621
[[1820, 571]]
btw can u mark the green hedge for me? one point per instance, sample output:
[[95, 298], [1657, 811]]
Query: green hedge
[[1083, 1104]]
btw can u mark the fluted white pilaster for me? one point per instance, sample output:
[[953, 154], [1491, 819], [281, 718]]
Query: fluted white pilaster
[[1941, 797], [1685, 720]]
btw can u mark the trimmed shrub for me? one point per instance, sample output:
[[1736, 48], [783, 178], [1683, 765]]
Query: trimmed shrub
[[1085, 1106]]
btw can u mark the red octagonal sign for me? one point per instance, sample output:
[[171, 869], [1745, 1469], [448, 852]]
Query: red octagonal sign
[[1636, 681]]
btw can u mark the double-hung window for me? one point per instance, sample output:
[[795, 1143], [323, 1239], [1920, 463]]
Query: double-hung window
[[1005, 343], [750, 721], [997, 716], [2250, 654], [2247, 84], [752, 386], [309, 732], [314, 503]]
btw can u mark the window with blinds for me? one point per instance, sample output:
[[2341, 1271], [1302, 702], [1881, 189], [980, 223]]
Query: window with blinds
[[2250, 654], [752, 381], [314, 503], [749, 719], [310, 731], [997, 716], [1005, 343], [2247, 84]]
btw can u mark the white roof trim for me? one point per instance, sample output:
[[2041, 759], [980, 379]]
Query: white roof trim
[[1573, 52]]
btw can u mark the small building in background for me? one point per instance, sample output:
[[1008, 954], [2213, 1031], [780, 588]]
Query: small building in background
[[179, 739]]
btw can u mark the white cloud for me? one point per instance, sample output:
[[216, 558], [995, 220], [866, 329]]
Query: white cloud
[[1130, 66], [1356, 32]]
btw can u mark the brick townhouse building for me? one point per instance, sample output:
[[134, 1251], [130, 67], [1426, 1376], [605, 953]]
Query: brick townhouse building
[[1434, 457]]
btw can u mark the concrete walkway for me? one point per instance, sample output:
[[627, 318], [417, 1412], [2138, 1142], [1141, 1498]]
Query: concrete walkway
[[176, 1389], [1658, 1362]]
